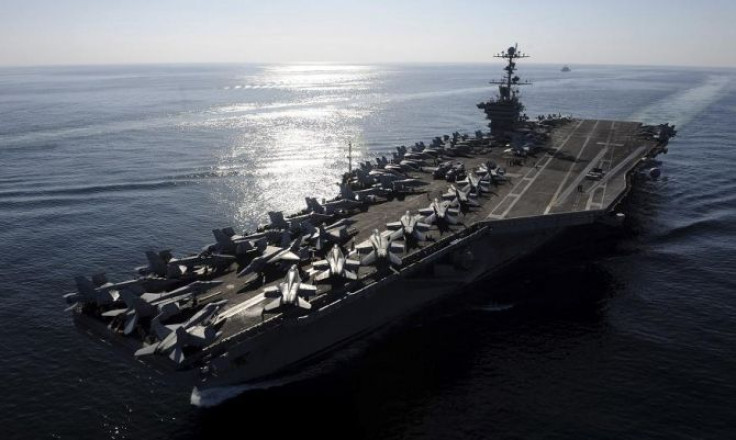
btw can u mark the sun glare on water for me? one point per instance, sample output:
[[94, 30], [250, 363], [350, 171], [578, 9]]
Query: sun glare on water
[[296, 145]]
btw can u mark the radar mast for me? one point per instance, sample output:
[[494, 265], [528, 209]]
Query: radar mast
[[504, 112]]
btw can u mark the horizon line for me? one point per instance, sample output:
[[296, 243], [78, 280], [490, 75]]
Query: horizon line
[[350, 63]]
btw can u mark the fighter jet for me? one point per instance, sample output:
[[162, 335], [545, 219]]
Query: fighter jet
[[332, 207], [393, 167], [411, 164], [164, 265], [417, 156], [363, 177], [440, 213], [418, 146], [198, 331], [474, 184], [456, 172], [334, 233], [136, 309], [434, 151], [290, 292], [486, 167], [391, 174], [380, 249], [274, 254], [208, 259], [190, 290], [410, 227], [336, 265], [396, 182], [203, 259], [366, 166], [464, 198], [518, 150], [293, 224], [98, 291], [458, 150], [230, 243], [490, 171], [363, 196], [157, 265], [401, 151], [150, 304], [403, 165], [440, 171]]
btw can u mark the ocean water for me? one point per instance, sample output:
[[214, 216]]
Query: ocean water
[[630, 335]]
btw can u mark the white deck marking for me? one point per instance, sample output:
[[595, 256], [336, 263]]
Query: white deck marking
[[580, 177], [606, 167], [537, 171], [599, 157], [567, 175], [618, 168]]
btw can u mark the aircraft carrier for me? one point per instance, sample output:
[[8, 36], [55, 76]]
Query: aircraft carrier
[[404, 232]]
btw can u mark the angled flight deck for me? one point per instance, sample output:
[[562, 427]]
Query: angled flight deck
[[561, 181]]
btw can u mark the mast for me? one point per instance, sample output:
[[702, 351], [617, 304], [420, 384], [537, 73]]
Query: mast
[[350, 157], [505, 111], [508, 86]]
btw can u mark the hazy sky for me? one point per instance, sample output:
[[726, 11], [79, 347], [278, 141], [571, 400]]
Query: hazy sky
[[674, 32]]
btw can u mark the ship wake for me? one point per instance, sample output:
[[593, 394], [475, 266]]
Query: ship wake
[[215, 396], [211, 397], [683, 106], [495, 307]]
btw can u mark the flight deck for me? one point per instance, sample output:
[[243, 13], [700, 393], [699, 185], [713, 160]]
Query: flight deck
[[404, 231], [553, 182]]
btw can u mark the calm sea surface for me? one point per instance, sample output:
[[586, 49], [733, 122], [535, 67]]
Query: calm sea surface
[[630, 335]]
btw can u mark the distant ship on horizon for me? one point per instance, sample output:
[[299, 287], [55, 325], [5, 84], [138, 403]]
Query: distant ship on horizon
[[565, 68]]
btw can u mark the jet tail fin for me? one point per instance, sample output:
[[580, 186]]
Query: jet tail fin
[[99, 279], [156, 263], [313, 205], [277, 219], [222, 239], [84, 285]]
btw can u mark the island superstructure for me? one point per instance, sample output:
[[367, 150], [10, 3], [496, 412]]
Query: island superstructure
[[405, 231]]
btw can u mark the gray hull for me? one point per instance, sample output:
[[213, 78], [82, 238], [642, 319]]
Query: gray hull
[[280, 351]]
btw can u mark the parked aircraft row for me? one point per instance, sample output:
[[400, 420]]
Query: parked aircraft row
[[169, 289]]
